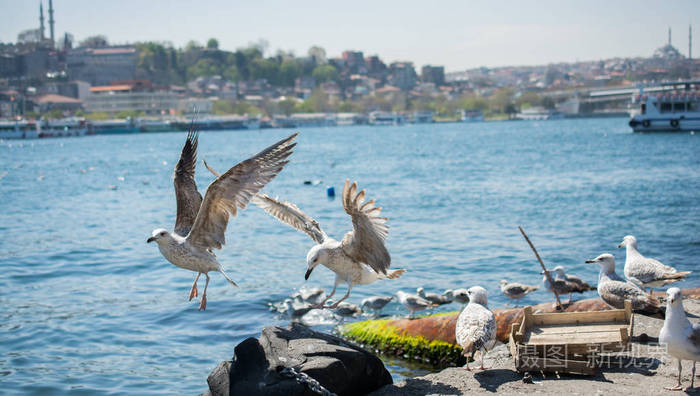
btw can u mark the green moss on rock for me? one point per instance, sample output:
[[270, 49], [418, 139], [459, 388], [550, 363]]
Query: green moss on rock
[[390, 339]]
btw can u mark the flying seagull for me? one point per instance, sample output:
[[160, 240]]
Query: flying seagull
[[515, 290], [476, 326], [682, 339], [201, 223], [614, 291], [360, 258], [647, 272]]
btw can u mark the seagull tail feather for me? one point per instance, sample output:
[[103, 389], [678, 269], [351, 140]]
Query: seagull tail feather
[[227, 278]]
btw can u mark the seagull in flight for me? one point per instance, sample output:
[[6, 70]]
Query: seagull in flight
[[201, 223], [360, 258]]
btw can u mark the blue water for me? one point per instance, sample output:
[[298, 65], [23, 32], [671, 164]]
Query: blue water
[[88, 307]]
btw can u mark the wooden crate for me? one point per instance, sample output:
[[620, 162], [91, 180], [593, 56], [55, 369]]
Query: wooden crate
[[569, 342]]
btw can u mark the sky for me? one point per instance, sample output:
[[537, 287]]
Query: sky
[[456, 34]]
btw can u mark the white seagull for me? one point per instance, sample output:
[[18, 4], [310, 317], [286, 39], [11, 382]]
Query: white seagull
[[433, 297], [375, 303], [565, 283], [200, 224], [476, 326], [413, 302], [647, 272], [682, 339], [613, 290], [360, 258], [515, 290]]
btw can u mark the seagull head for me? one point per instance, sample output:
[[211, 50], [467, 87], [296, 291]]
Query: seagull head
[[159, 236], [559, 270], [503, 282], [674, 296], [317, 255], [606, 261], [629, 240], [420, 291], [477, 294]]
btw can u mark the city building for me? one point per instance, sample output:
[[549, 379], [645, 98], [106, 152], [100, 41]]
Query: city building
[[101, 66], [433, 74], [402, 75], [355, 62], [50, 102], [130, 96]]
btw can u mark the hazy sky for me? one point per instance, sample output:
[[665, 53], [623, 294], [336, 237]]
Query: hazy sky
[[457, 34]]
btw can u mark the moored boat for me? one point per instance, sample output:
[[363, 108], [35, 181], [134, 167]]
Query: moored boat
[[667, 112], [18, 129], [63, 127], [115, 126]]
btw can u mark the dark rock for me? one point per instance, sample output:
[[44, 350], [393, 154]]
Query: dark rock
[[218, 380], [339, 366]]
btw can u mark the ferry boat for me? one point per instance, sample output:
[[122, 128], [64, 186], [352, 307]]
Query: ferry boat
[[219, 123], [155, 125], [667, 112], [62, 127], [385, 118], [116, 126], [539, 113], [18, 129]]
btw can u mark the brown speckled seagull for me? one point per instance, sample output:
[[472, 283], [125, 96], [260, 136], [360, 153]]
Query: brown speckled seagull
[[360, 258], [201, 223]]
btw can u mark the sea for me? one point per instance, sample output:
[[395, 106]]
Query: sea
[[88, 307]]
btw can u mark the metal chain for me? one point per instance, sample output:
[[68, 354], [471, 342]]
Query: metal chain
[[304, 379]]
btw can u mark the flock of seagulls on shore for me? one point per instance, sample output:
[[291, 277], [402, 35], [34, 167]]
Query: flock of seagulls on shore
[[361, 256]]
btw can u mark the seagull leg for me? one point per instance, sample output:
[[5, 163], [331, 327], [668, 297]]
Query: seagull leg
[[322, 303], [570, 294], [466, 365], [678, 386], [692, 379], [203, 304], [193, 291], [335, 305]]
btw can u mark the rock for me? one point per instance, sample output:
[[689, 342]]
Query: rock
[[339, 366], [218, 380]]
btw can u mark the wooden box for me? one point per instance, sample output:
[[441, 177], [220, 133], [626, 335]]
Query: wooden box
[[569, 342]]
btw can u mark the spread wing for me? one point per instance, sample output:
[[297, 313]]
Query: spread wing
[[186, 195], [289, 213], [366, 242], [233, 190]]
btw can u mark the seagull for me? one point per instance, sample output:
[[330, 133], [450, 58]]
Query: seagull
[[296, 308], [347, 309], [682, 339], [201, 223], [312, 296], [433, 297], [375, 303], [515, 290], [566, 284], [413, 302], [614, 291], [647, 272], [476, 326], [360, 258], [458, 295]]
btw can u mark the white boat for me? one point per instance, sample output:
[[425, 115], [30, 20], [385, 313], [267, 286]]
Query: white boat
[[18, 129], [472, 116], [62, 127], [667, 112], [154, 125], [539, 113], [385, 118]]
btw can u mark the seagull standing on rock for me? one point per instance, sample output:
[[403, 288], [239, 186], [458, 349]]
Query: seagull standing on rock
[[565, 283], [375, 303], [614, 291], [201, 223], [647, 272], [476, 326], [413, 302], [515, 290], [457, 295], [682, 339], [433, 297], [360, 258]]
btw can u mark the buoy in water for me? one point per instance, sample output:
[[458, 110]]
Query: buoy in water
[[330, 191]]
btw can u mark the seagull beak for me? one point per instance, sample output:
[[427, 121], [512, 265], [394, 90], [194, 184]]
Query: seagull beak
[[590, 261], [308, 272], [621, 244], [151, 239]]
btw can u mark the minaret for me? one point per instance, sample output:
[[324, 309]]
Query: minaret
[[51, 20], [41, 20], [690, 41], [669, 30]]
